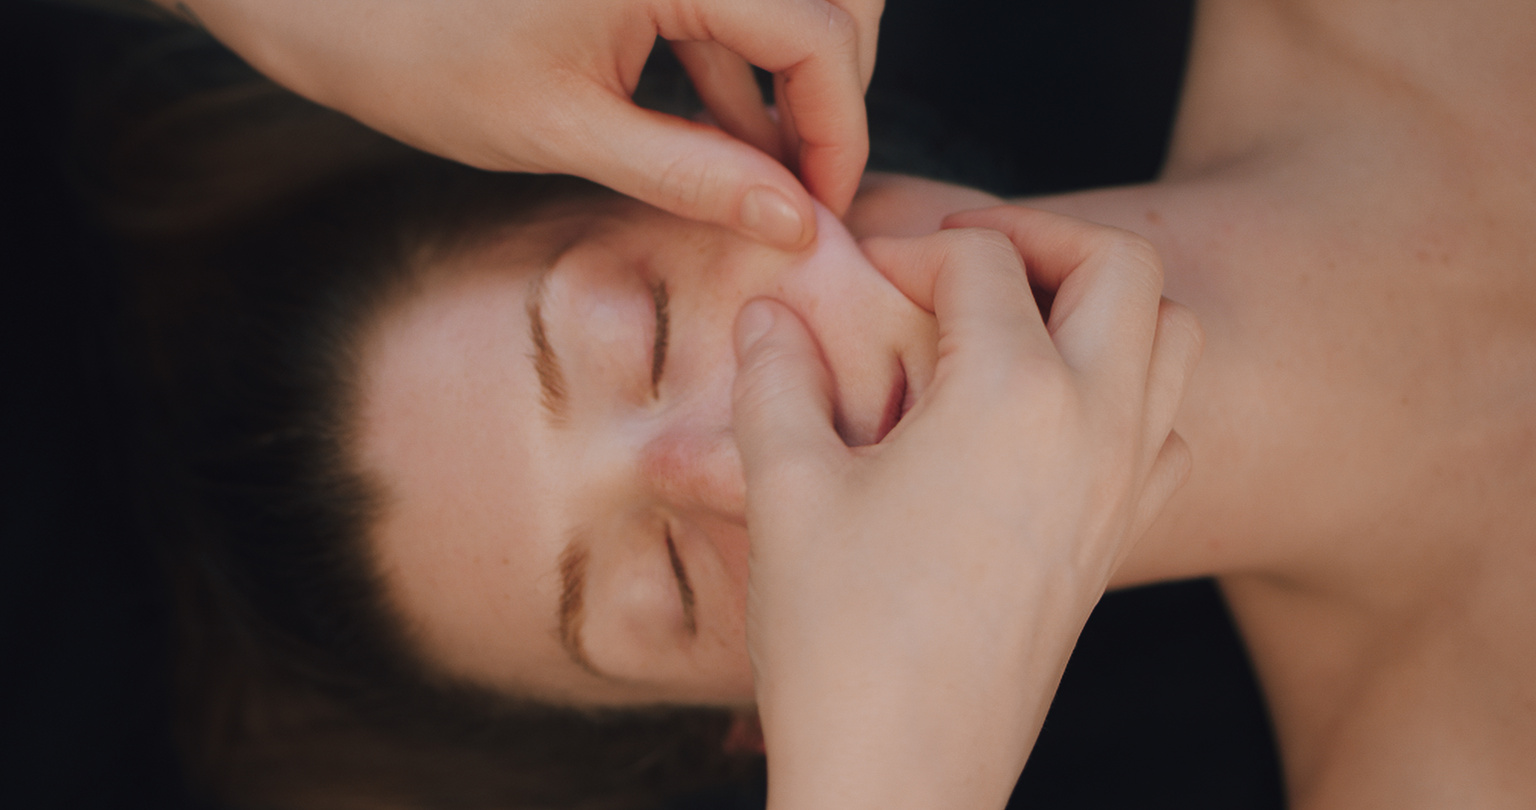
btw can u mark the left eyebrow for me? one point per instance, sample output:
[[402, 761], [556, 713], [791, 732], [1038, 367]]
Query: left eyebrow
[[545, 362], [573, 581]]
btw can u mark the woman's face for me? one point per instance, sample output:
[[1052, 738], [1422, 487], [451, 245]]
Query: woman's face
[[550, 418]]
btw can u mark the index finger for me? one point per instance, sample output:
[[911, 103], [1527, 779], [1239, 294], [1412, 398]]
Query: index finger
[[974, 283], [1108, 287]]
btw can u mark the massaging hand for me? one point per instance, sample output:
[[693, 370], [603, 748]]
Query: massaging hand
[[912, 604], [544, 86]]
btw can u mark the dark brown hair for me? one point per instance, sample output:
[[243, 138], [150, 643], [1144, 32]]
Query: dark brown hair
[[265, 233]]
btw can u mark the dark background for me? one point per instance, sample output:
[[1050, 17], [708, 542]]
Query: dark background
[[1158, 707]]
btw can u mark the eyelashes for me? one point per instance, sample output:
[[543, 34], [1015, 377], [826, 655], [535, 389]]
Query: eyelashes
[[684, 589], [659, 348]]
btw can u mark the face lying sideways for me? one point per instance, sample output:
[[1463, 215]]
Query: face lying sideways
[[549, 417]]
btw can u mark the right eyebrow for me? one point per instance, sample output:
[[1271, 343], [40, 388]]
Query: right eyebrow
[[545, 363]]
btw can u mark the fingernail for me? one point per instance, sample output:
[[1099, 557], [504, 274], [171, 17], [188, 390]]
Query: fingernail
[[771, 217], [755, 320]]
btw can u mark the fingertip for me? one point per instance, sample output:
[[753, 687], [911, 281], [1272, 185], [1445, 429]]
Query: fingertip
[[768, 215], [832, 173]]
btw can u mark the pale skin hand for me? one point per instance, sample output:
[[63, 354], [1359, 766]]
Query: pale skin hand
[[912, 604], [545, 85]]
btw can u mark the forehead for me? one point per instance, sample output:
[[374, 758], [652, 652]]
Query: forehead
[[445, 398]]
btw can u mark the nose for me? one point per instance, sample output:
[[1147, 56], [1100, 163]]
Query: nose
[[696, 470]]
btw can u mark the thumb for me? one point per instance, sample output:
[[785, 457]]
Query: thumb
[[782, 403], [694, 171]]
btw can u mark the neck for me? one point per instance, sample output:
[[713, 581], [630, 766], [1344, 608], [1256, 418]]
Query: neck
[[1265, 75]]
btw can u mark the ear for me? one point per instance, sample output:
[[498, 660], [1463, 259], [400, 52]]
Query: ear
[[745, 735]]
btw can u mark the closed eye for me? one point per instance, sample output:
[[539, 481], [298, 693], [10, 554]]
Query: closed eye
[[684, 589], [659, 348]]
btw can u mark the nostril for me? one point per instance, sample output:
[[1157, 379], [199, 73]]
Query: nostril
[[875, 424], [844, 430], [895, 404]]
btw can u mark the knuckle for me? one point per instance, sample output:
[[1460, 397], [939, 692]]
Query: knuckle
[[1180, 320], [1044, 387], [842, 30], [682, 184], [869, 11], [680, 19], [1180, 459], [768, 378], [1137, 255], [979, 247]]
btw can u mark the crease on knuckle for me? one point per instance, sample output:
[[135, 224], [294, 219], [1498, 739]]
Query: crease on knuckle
[[1177, 318], [973, 249], [1138, 255], [683, 184], [680, 19], [769, 381], [1181, 460], [985, 244]]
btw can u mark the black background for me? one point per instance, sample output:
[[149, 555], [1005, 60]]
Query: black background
[[1158, 708]]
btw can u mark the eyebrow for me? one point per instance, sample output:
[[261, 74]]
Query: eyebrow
[[573, 581], [545, 363]]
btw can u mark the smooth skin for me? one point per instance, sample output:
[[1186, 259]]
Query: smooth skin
[[544, 86]]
